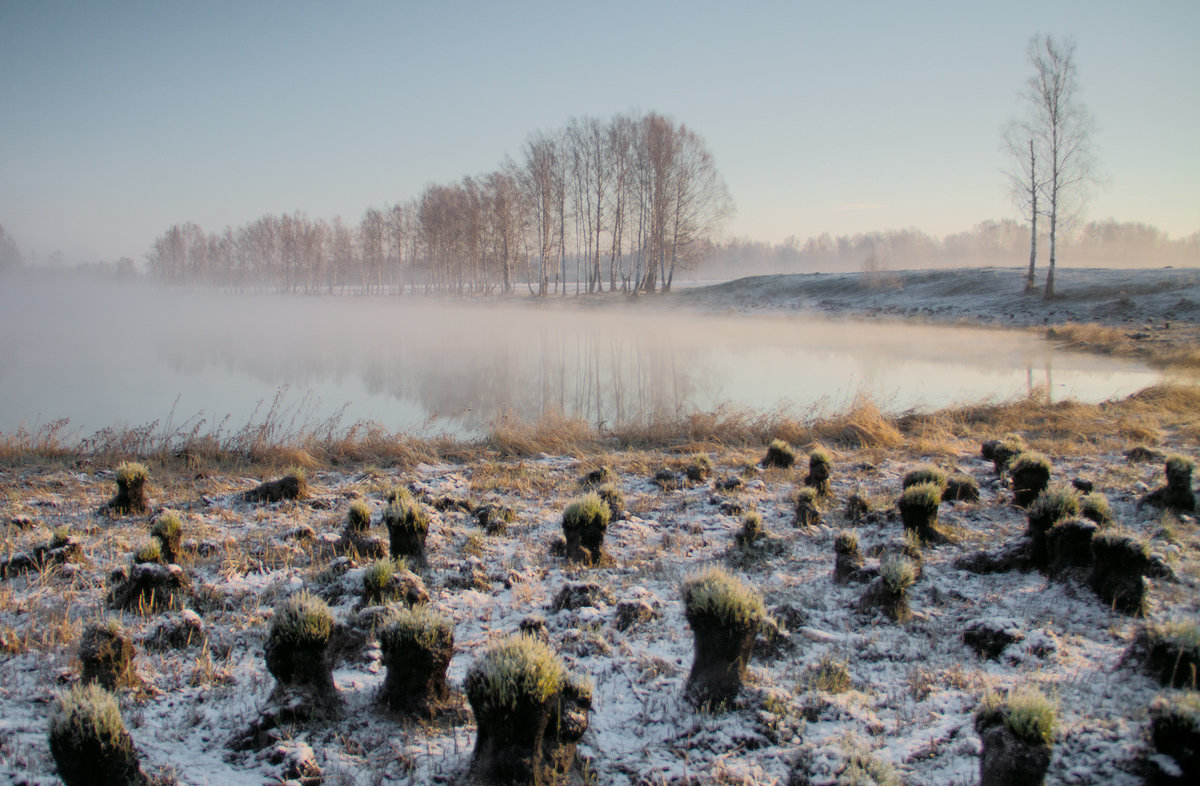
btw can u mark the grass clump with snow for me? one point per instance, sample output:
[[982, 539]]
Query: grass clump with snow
[[846, 542], [149, 551], [406, 513], [167, 527], [419, 626], [358, 518], [89, 741], [898, 573], [1026, 711], [584, 523], [779, 454], [302, 621], [516, 670], [1059, 501], [132, 472], [1174, 652], [131, 489], [1175, 715], [586, 511], [926, 473], [1095, 506], [60, 537], [715, 594], [1179, 466], [1030, 473], [377, 581]]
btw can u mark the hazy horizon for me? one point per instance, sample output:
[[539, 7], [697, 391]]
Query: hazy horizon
[[129, 117]]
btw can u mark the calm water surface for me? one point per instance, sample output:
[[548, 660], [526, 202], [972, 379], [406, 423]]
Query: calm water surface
[[105, 357]]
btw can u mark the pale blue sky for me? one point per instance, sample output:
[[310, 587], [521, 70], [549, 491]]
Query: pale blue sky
[[120, 118]]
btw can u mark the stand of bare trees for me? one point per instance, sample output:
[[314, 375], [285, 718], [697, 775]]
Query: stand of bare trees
[[629, 202]]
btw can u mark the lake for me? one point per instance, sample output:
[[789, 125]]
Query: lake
[[104, 356]]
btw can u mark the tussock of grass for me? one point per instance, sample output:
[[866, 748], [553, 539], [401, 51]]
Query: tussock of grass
[[132, 472], [377, 578], [1119, 537], [806, 495], [358, 517], [714, 593], [779, 454], [303, 620], [514, 671], [1059, 501], [1095, 506], [167, 526], [1030, 460], [846, 542], [1179, 466], [150, 551], [926, 473], [1177, 712], [587, 510], [406, 513], [898, 573], [1180, 634], [1029, 715], [419, 626], [87, 712], [925, 495]]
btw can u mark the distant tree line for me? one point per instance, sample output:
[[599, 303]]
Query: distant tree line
[[1004, 243], [618, 204]]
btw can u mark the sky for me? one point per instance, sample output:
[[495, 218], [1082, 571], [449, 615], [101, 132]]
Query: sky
[[122, 118]]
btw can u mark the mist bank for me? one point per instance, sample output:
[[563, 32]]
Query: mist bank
[[194, 362], [1097, 244]]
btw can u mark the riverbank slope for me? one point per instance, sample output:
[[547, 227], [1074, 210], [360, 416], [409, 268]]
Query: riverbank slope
[[1149, 313]]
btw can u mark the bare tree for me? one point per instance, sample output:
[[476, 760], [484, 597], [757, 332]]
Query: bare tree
[[505, 221], [1061, 130], [396, 226], [540, 187], [1024, 184], [372, 240]]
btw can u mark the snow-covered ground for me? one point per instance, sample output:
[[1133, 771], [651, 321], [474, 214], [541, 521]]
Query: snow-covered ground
[[913, 690], [1108, 296]]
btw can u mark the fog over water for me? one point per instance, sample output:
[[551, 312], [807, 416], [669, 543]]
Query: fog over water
[[104, 356]]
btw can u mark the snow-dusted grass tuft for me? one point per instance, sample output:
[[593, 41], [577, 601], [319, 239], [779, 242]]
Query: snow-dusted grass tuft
[[1026, 711], [715, 594], [301, 621]]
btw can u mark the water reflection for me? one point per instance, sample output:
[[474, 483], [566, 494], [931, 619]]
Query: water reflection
[[129, 356]]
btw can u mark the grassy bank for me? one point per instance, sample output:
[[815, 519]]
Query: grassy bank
[[1166, 413]]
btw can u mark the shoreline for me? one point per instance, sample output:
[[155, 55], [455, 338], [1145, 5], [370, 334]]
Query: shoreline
[[1147, 314]]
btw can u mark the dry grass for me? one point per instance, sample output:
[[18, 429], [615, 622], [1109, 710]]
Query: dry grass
[[553, 432], [1164, 347], [1069, 427], [1149, 416]]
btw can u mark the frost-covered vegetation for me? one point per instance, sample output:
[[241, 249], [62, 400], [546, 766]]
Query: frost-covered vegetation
[[277, 652]]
